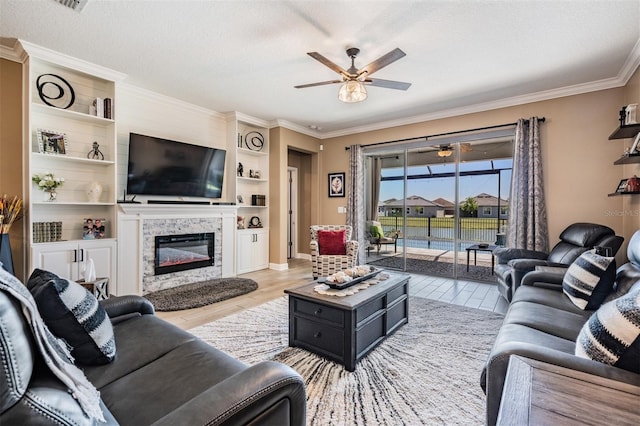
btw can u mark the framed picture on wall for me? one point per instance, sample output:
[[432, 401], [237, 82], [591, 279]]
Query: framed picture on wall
[[336, 184], [635, 147], [622, 186]]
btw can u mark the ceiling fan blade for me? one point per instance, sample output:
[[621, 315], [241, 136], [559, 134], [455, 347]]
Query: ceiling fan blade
[[318, 57], [382, 61], [321, 83], [389, 84]]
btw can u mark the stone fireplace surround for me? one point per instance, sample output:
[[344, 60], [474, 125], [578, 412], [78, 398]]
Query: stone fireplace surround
[[139, 224]]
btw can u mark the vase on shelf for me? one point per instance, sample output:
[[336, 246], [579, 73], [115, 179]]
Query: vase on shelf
[[50, 195], [94, 191]]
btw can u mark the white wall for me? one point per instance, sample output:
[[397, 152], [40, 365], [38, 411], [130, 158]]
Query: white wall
[[148, 113]]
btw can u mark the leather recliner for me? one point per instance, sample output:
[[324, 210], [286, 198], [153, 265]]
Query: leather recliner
[[162, 375], [543, 324], [513, 264]]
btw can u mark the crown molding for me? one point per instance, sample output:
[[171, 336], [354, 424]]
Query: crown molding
[[61, 59], [631, 64], [13, 53], [160, 98], [245, 118], [545, 95], [296, 128]]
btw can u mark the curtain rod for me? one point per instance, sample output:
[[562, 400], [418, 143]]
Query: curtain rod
[[426, 138]]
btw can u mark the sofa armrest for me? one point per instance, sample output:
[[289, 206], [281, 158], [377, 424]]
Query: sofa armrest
[[545, 277], [505, 254], [125, 306], [268, 392]]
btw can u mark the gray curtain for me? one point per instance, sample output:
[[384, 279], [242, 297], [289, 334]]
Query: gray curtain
[[527, 225], [374, 171], [355, 199]]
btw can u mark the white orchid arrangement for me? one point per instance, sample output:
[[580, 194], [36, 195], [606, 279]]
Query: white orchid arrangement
[[47, 182]]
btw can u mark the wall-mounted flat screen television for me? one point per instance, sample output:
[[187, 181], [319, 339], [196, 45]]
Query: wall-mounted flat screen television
[[164, 167]]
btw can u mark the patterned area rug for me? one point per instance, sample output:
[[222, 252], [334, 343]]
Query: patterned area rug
[[424, 264], [426, 373], [204, 293]]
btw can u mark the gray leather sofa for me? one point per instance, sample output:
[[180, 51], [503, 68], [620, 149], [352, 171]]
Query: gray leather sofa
[[513, 264], [162, 375], [543, 324]]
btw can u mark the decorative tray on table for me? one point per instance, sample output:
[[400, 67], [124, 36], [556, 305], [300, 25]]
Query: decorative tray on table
[[349, 277]]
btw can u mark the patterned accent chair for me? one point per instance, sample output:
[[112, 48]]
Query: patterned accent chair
[[323, 265]]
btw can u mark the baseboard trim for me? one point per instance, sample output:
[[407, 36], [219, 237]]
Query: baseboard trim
[[304, 256], [279, 266]]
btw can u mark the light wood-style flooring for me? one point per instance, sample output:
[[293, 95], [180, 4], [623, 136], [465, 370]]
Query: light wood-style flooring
[[271, 285]]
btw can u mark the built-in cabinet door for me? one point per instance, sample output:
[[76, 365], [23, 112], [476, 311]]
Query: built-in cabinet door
[[103, 255], [261, 250], [68, 259], [59, 258], [253, 250]]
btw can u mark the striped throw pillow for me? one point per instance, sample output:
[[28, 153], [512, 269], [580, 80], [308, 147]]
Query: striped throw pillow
[[589, 280], [612, 334], [72, 313]]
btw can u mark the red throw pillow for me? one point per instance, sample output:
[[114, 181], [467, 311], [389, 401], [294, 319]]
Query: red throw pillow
[[332, 242]]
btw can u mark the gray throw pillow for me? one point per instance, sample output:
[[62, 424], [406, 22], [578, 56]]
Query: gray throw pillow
[[589, 280], [72, 313], [612, 334]]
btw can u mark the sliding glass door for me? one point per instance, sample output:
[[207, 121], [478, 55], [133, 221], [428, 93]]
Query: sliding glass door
[[445, 204]]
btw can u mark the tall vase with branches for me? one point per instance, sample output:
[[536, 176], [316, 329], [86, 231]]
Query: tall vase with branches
[[10, 211]]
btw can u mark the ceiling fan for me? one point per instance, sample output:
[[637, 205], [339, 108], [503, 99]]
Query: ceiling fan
[[353, 79], [447, 150]]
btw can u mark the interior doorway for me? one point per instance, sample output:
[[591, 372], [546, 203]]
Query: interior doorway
[[299, 200], [292, 212]]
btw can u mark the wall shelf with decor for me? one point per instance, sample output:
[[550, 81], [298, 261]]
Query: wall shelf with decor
[[615, 194], [628, 159], [632, 154], [70, 133], [249, 147], [625, 131]]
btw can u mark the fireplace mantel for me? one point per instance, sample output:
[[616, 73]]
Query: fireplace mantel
[[131, 225], [181, 209]]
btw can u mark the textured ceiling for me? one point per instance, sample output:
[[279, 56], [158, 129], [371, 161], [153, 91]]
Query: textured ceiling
[[246, 56]]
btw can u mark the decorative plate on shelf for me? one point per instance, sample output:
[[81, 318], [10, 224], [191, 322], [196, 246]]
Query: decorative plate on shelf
[[254, 141]]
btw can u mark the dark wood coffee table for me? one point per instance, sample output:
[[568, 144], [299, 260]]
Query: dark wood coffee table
[[345, 329]]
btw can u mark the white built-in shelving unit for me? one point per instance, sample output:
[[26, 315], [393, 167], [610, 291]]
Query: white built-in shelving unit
[[63, 253], [250, 139]]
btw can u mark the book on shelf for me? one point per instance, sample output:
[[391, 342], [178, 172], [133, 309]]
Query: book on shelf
[[107, 108]]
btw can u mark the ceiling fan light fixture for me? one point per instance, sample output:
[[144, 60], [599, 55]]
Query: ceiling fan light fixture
[[352, 91], [445, 152]]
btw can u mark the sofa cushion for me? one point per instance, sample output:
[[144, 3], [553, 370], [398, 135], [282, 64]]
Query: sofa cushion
[[171, 381], [589, 280], [547, 319], [332, 242], [141, 341], [585, 234], [612, 334], [547, 297], [72, 313]]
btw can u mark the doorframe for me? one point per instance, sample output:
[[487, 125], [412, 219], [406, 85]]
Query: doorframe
[[292, 212]]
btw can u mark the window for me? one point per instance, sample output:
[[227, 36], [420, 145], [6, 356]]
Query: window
[[420, 211], [486, 211], [504, 211]]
